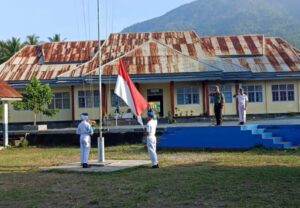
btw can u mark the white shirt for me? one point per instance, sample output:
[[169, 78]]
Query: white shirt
[[151, 127], [242, 99], [84, 128]]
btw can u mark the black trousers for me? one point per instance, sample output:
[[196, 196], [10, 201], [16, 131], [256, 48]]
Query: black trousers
[[218, 113]]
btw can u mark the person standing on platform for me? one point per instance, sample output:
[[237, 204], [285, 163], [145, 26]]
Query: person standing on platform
[[242, 99], [151, 139], [85, 131], [218, 100]]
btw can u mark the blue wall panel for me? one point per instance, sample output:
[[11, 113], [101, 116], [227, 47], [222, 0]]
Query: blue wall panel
[[227, 137], [230, 137]]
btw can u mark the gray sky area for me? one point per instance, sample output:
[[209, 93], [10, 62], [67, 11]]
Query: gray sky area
[[76, 19]]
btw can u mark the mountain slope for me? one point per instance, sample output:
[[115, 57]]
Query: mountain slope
[[222, 17]]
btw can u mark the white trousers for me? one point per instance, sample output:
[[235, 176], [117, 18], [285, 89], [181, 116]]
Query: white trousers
[[85, 146], [242, 113], [151, 145]]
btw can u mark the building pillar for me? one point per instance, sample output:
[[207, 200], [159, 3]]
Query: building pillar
[[172, 91], [104, 100], [266, 96], [73, 103], [237, 88], [205, 98], [5, 123]]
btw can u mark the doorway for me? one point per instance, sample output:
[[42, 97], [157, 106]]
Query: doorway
[[156, 100]]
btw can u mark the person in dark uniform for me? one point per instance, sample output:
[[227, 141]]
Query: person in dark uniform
[[218, 99]]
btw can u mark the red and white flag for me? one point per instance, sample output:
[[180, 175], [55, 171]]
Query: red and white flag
[[126, 90]]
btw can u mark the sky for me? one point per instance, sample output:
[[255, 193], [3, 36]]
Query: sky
[[76, 19]]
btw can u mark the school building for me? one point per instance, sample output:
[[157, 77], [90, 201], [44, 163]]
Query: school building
[[173, 70]]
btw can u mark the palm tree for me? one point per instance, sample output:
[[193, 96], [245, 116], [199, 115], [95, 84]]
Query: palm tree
[[9, 48], [56, 38], [2, 59], [32, 40]]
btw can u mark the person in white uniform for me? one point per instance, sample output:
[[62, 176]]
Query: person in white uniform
[[151, 139], [85, 131], [242, 100]]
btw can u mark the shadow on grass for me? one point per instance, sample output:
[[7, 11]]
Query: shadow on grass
[[200, 184]]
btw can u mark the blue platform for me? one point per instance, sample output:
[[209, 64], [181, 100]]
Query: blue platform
[[231, 137]]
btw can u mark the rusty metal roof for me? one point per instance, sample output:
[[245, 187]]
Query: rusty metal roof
[[69, 52], [240, 45], [151, 58], [157, 52], [8, 92], [279, 56], [118, 44], [255, 52], [48, 60], [297, 51]]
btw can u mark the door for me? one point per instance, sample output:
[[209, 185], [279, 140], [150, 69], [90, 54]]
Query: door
[[156, 100]]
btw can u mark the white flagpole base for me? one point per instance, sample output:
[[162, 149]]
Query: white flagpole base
[[101, 150]]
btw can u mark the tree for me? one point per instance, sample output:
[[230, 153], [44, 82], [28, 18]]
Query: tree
[[2, 58], [32, 40], [35, 98], [56, 38], [9, 48]]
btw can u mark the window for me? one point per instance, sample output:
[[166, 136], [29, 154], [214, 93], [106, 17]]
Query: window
[[188, 95], [283, 92], [254, 93], [88, 99], [60, 100], [116, 100], [225, 89]]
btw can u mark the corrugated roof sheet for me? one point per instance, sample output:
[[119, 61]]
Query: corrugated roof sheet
[[255, 52], [297, 51], [7, 91], [240, 45], [156, 58], [118, 44], [47, 61], [157, 52], [69, 52]]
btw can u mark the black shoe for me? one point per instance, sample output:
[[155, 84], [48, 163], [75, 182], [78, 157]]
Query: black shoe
[[155, 166], [85, 165]]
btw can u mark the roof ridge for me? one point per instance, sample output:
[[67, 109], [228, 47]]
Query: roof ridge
[[179, 31], [210, 36]]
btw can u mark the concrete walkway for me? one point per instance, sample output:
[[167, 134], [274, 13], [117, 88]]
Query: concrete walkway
[[108, 166], [205, 122]]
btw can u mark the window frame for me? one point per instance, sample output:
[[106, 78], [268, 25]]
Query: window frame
[[283, 93], [90, 98], [192, 91], [256, 93], [64, 98]]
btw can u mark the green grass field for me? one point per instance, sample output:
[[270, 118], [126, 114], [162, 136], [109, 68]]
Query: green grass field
[[255, 178]]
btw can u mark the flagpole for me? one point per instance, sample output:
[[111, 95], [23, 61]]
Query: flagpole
[[100, 141]]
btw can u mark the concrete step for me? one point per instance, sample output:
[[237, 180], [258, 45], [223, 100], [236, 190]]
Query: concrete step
[[272, 140], [248, 127], [267, 135], [285, 145], [258, 131]]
